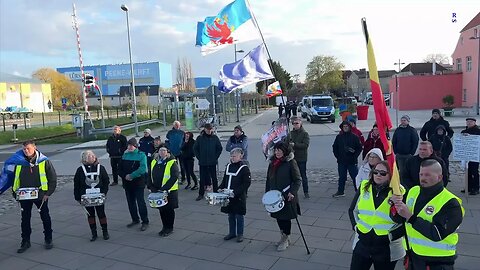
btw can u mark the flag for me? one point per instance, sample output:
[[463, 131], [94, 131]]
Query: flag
[[276, 133], [250, 69], [233, 24], [274, 89], [382, 117]]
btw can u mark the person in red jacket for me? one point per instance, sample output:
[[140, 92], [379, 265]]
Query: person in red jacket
[[355, 130], [373, 141]]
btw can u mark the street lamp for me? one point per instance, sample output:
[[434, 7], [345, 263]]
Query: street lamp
[[237, 104], [399, 63], [125, 8], [478, 74]]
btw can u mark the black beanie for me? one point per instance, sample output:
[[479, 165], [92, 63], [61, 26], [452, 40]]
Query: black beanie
[[436, 111], [133, 142]]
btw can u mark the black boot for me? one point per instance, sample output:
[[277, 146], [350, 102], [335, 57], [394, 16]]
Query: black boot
[[94, 235], [106, 236], [23, 246], [93, 228]]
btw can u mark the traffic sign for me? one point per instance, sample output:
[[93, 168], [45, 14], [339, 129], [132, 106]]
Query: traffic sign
[[64, 100], [203, 104], [64, 106]]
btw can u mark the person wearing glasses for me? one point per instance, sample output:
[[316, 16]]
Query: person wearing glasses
[[299, 140], [378, 239], [373, 157]]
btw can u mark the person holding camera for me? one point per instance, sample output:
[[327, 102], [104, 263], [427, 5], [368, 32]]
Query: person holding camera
[[346, 149]]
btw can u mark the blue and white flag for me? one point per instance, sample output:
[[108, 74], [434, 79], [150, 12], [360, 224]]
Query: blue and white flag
[[250, 69], [233, 24]]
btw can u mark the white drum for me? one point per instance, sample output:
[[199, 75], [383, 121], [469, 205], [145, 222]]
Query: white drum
[[220, 199], [273, 201], [92, 199], [158, 199], [27, 194], [228, 192]]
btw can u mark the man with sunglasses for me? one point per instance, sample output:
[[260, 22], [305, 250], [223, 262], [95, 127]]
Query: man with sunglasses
[[299, 140], [431, 215]]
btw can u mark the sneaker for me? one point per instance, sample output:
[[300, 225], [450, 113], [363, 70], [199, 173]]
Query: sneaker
[[160, 233], [239, 238], [167, 232], [338, 195], [195, 187], [24, 246], [48, 244], [187, 186], [144, 227], [200, 197], [228, 237], [133, 223], [114, 184], [307, 196]]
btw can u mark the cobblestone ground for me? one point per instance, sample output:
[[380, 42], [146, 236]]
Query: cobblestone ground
[[314, 176]]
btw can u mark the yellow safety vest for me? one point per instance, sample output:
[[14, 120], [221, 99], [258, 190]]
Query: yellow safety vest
[[370, 218], [420, 244], [41, 171], [166, 173]]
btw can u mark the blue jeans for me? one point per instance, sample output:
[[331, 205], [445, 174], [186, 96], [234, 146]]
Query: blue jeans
[[235, 223], [135, 196], [342, 175], [302, 166]]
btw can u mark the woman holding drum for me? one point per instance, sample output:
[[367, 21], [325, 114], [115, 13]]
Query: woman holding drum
[[165, 172], [283, 182], [378, 239], [92, 178], [236, 181]]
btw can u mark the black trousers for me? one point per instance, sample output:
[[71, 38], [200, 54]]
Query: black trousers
[[115, 163], [360, 262], [26, 206], [100, 210], [167, 214], [285, 225], [208, 176], [189, 174], [473, 184], [135, 197], [182, 168]]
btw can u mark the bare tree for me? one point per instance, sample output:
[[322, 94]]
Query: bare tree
[[185, 80], [438, 58]]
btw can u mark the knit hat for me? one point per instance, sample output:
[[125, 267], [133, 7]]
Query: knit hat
[[133, 142], [406, 117], [208, 126], [166, 148], [351, 119], [238, 127], [285, 147], [147, 130], [436, 111], [158, 138], [471, 119]]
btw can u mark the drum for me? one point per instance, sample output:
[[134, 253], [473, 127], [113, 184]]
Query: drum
[[228, 192], [158, 199], [27, 194], [273, 201], [92, 199], [220, 199]]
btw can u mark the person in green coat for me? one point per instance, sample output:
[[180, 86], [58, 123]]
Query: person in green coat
[[299, 140]]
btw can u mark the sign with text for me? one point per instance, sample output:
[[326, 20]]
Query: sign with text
[[466, 147], [203, 104]]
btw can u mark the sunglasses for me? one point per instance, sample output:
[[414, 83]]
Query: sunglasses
[[382, 173]]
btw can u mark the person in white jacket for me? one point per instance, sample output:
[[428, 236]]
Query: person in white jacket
[[372, 158]]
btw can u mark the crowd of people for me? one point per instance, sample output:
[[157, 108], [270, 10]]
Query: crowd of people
[[420, 222]]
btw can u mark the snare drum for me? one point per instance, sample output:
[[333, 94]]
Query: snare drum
[[27, 194], [220, 199], [273, 201], [158, 199], [92, 199]]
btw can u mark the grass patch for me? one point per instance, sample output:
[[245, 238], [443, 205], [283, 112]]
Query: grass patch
[[36, 132]]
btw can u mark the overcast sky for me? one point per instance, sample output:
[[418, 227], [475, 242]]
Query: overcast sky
[[35, 34]]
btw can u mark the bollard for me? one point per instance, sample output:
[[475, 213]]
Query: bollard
[[3, 120], [117, 113], [25, 120], [59, 119], [43, 119], [150, 113]]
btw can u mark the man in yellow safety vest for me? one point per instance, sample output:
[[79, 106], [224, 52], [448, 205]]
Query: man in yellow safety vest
[[432, 215], [34, 182]]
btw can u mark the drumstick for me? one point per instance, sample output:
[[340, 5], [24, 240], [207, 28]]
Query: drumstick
[[86, 212], [40, 208]]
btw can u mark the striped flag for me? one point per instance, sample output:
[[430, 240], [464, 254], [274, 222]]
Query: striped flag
[[382, 117]]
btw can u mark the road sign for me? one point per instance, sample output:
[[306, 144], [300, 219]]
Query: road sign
[[64, 106], [202, 104], [64, 100]]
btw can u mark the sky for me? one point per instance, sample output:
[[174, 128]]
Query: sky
[[36, 34]]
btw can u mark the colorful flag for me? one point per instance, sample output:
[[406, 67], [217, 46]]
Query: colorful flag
[[233, 24], [274, 89], [250, 69], [382, 117], [276, 133]]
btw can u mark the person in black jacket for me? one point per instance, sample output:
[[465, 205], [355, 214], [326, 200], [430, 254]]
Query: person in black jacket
[[404, 142], [188, 160], [442, 145], [280, 110], [237, 178], [157, 144], [116, 146], [446, 215], [207, 149], [158, 183], [473, 179], [346, 148], [146, 145], [410, 176], [97, 178], [430, 126]]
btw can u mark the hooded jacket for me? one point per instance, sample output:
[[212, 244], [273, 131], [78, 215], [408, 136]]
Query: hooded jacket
[[429, 128], [373, 142], [238, 142], [135, 164], [365, 168], [207, 149], [442, 145], [405, 140], [346, 147]]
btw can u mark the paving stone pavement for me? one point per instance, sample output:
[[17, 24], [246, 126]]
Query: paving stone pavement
[[197, 242]]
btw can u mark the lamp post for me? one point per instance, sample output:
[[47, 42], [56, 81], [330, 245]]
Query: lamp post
[[399, 63], [125, 8], [478, 74], [237, 104]]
